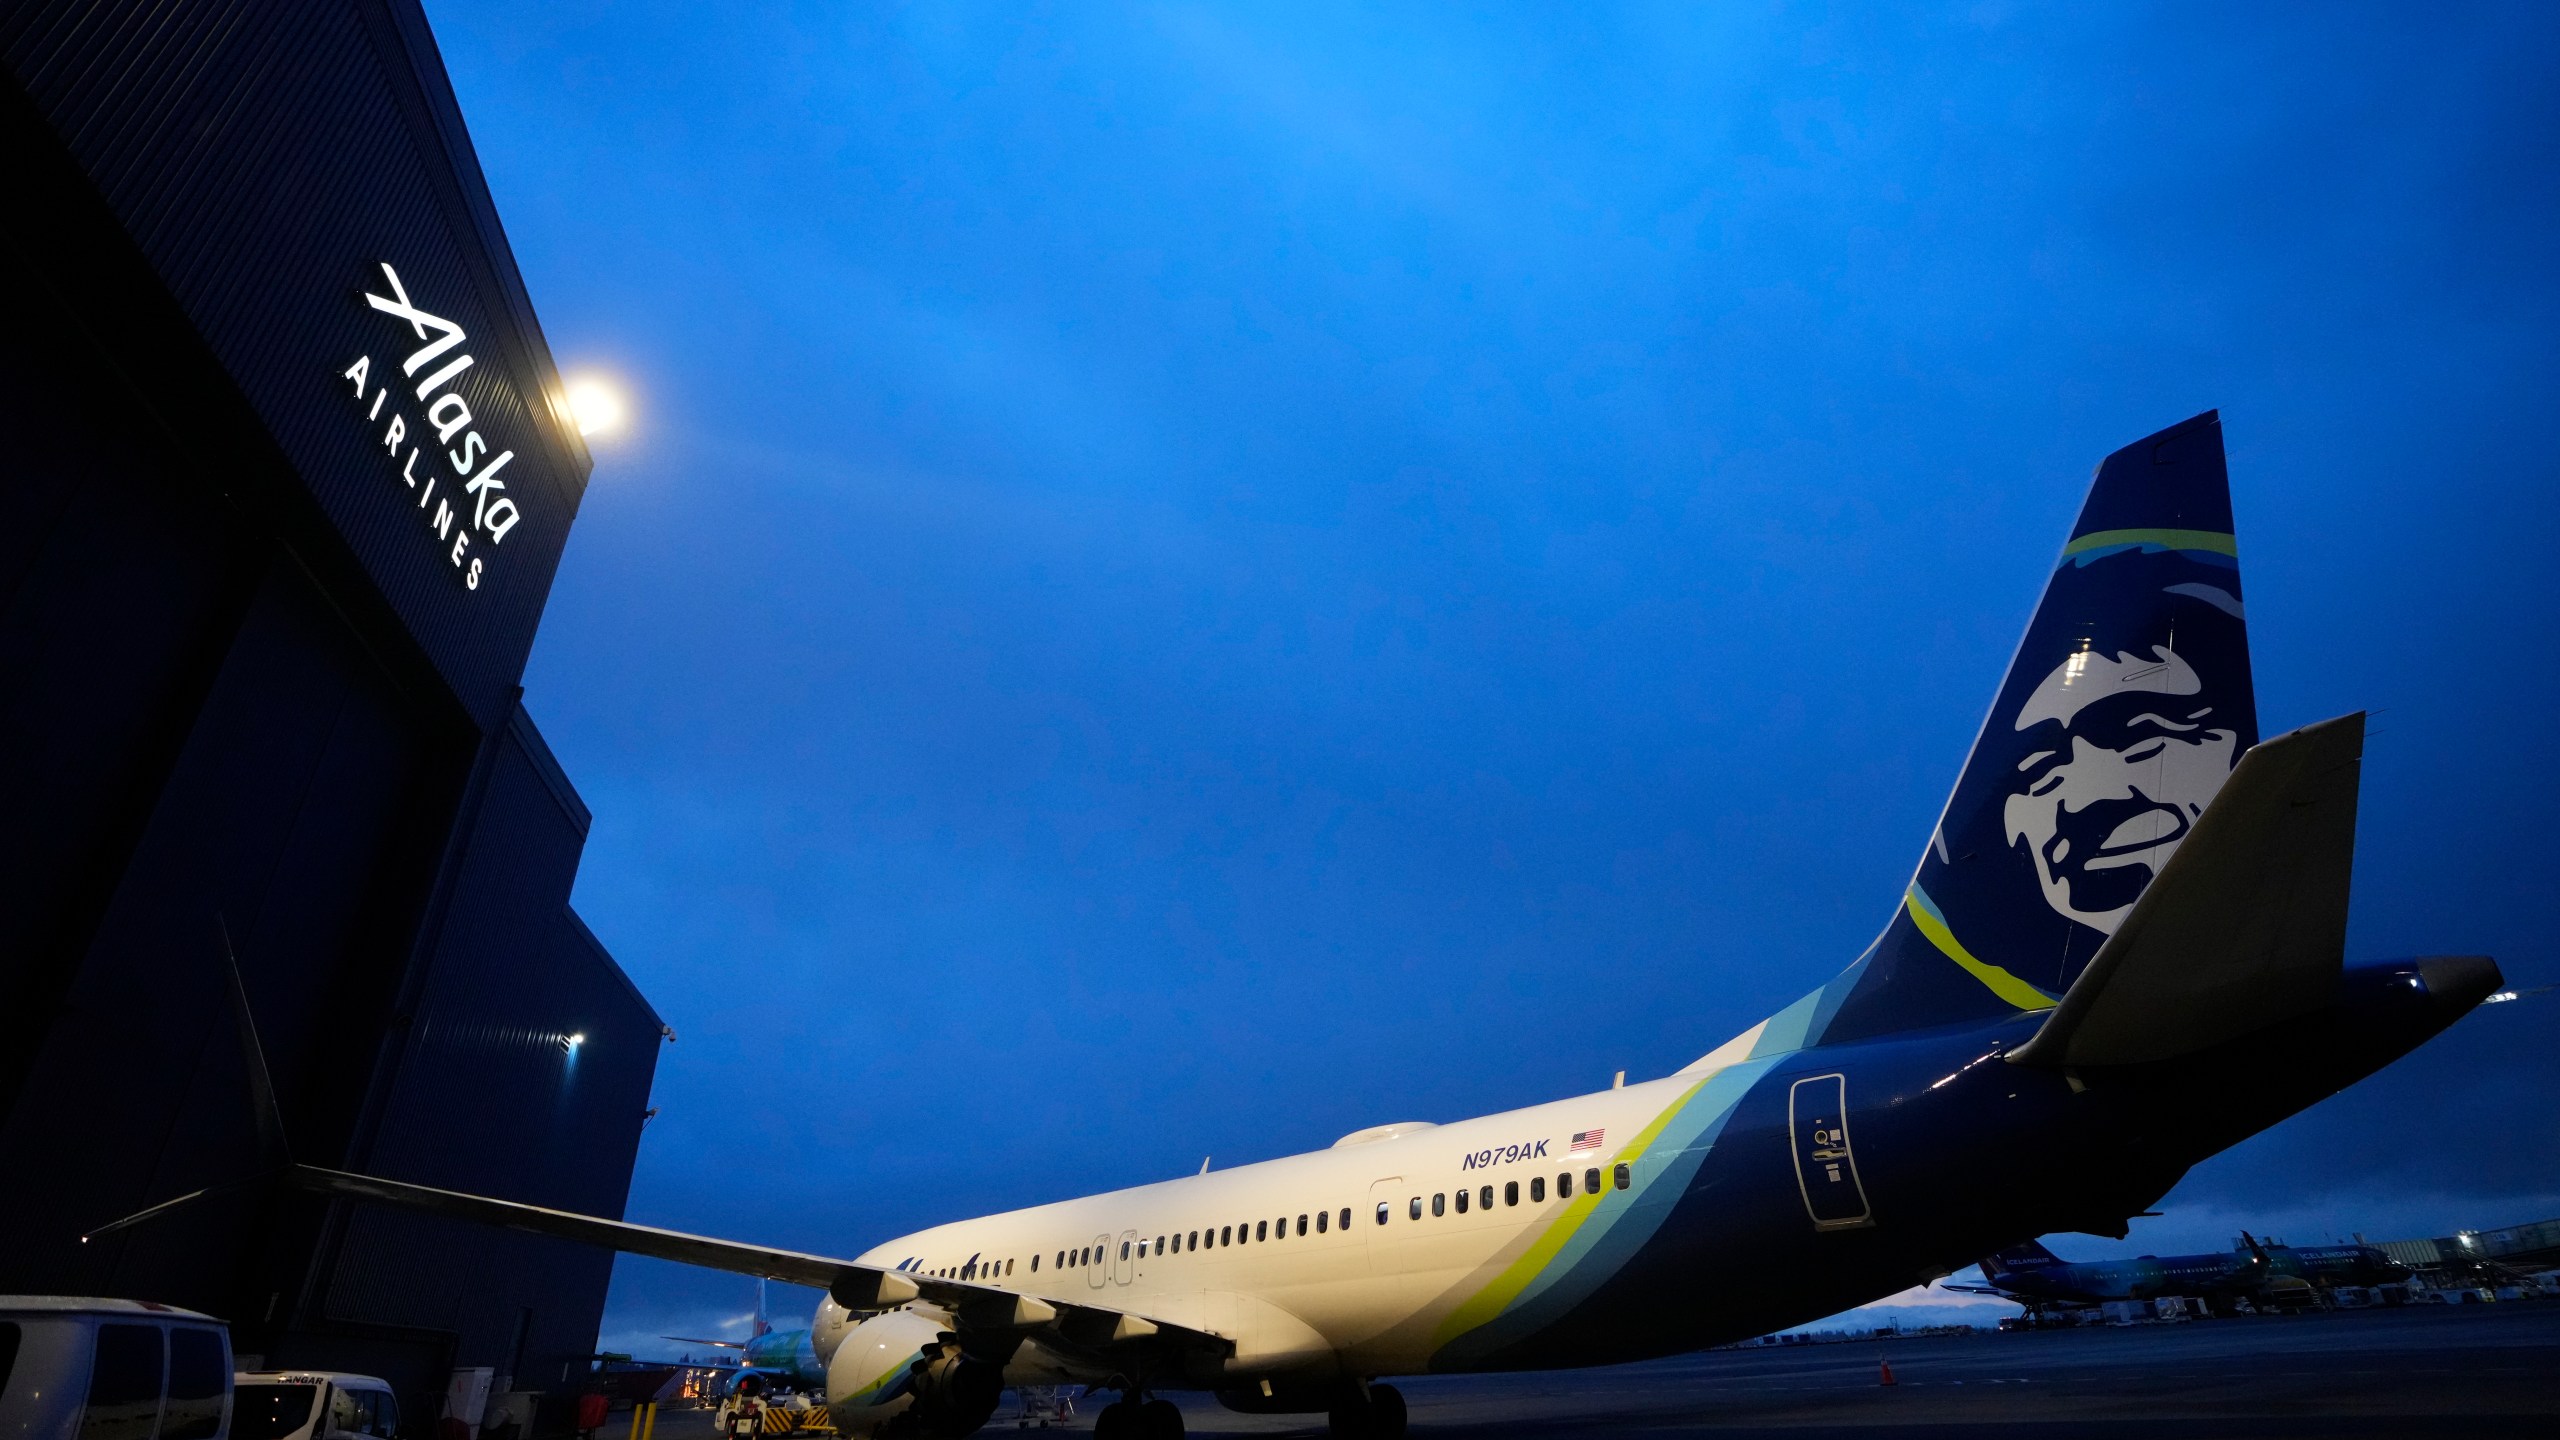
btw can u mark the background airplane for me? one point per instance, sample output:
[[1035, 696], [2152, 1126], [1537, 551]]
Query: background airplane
[[2287, 1276], [785, 1357], [2121, 952]]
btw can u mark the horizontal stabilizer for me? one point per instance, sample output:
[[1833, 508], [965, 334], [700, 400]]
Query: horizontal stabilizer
[[2245, 927]]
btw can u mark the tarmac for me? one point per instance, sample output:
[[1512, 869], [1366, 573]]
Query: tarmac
[[2434, 1370]]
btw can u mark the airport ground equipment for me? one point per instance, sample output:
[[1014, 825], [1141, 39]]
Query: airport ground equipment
[[1043, 1406], [313, 1405], [2122, 951], [101, 1369]]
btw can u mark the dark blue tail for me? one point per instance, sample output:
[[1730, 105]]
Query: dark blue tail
[[2125, 708], [2029, 1256]]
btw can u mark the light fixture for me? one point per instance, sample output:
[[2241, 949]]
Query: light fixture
[[597, 406]]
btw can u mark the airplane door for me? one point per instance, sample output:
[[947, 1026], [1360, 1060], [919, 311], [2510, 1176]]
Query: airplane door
[[1124, 1257], [1097, 1271], [1386, 1198], [1826, 1170]]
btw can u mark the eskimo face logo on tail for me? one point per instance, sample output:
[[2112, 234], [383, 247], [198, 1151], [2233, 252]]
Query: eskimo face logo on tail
[[2128, 758]]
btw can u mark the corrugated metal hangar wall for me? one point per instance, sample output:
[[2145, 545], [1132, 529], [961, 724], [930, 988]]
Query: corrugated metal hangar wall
[[287, 477]]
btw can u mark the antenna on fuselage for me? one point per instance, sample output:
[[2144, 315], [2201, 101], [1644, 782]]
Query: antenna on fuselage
[[1204, 1164]]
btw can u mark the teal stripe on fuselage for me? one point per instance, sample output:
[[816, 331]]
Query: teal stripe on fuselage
[[1626, 1222]]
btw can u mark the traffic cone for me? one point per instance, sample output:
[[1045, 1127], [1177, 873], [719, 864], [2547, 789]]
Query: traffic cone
[[1886, 1366]]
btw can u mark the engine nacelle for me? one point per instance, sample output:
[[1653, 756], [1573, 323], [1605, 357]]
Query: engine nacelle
[[828, 1328], [906, 1366]]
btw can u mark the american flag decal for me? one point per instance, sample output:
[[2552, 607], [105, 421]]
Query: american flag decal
[[1585, 1141]]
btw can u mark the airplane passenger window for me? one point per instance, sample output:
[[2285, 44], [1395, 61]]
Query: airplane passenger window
[[1226, 1234], [1124, 1249], [1346, 1217], [1624, 1177], [1484, 1197], [1537, 1188], [1302, 1224], [1193, 1243], [1414, 1210], [1261, 1229], [1591, 1180], [1439, 1204], [1510, 1192], [1462, 1202], [1382, 1212], [1035, 1264], [1280, 1228], [1321, 1217], [1564, 1184]]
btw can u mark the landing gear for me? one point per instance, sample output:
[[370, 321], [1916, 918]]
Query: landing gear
[[1135, 1419], [1377, 1414], [1386, 1402]]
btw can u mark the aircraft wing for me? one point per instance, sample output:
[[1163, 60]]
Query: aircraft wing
[[2245, 926], [1975, 1289], [973, 1307]]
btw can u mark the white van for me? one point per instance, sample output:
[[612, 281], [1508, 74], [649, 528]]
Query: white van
[[311, 1405], [85, 1369]]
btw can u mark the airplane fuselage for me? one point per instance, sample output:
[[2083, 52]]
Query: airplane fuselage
[[1760, 1188]]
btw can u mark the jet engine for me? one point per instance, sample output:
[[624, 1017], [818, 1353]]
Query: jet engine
[[906, 1367], [828, 1328]]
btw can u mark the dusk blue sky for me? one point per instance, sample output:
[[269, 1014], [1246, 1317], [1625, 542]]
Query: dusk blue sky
[[1189, 580]]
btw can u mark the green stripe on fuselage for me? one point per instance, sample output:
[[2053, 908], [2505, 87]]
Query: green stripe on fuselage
[[1924, 914], [1504, 1288]]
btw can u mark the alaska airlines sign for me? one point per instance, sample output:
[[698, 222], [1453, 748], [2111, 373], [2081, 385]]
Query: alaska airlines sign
[[450, 469]]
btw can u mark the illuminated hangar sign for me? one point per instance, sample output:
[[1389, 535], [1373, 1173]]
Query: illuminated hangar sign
[[450, 470]]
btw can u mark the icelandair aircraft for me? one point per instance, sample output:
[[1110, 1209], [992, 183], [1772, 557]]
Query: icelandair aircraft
[[2121, 952], [2285, 1276], [779, 1357]]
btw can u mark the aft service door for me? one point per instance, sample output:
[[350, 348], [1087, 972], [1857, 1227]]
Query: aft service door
[[1826, 1169]]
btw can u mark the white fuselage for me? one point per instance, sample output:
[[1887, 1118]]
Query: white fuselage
[[1310, 1261]]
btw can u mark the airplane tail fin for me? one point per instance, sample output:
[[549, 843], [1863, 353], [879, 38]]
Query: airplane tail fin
[[2126, 706], [2029, 1256]]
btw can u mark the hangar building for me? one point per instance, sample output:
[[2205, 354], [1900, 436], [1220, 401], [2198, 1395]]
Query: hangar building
[[288, 472]]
